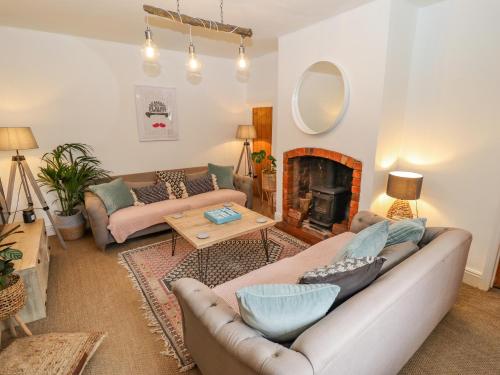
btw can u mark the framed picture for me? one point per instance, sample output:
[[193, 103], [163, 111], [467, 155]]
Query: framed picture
[[156, 113]]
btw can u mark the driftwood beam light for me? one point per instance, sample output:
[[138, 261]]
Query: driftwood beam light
[[198, 22]]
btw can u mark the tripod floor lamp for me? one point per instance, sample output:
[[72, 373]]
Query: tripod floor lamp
[[15, 139], [246, 132]]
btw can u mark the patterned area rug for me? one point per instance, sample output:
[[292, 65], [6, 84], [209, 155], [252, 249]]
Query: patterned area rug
[[152, 269]]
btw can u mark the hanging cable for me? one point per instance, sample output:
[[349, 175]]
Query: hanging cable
[[222, 11]]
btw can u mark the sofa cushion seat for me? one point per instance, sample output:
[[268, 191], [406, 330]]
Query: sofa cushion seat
[[217, 196], [287, 270], [124, 222]]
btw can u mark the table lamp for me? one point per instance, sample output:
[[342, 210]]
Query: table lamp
[[246, 132], [403, 186], [15, 139]]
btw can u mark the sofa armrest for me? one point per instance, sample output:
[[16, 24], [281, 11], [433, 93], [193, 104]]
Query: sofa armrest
[[98, 219], [245, 185], [221, 343]]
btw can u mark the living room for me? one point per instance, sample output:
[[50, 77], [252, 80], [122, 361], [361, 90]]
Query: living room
[[171, 103]]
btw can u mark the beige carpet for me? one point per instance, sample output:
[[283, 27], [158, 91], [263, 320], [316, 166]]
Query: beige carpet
[[89, 290]]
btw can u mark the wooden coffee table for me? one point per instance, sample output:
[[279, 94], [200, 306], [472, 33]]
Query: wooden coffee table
[[193, 222]]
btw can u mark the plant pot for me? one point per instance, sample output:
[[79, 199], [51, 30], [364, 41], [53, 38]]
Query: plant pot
[[12, 298], [269, 181], [71, 227]]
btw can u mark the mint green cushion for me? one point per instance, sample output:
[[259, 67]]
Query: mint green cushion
[[114, 195], [406, 230], [283, 311], [224, 174], [367, 243]]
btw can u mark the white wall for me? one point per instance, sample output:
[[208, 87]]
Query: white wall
[[71, 89], [262, 84], [452, 127], [357, 41]]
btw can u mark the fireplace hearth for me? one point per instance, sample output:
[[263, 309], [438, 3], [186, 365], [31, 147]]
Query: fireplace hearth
[[320, 190]]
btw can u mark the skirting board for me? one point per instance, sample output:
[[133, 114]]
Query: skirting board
[[474, 278]]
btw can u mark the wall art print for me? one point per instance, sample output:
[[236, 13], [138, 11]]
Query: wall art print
[[156, 113]]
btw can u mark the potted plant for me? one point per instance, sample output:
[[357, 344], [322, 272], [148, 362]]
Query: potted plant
[[268, 170], [68, 171], [12, 296]]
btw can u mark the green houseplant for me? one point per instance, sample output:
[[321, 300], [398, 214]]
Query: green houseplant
[[68, 171], [7, 255]]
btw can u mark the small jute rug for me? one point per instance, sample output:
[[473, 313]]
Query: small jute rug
[[152, 269]]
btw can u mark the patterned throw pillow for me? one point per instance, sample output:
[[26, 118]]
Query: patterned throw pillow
[[201, 184], [350, 274], [175, 183], [150, 194]]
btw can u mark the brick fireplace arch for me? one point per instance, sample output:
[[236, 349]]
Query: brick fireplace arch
[[289, 174]]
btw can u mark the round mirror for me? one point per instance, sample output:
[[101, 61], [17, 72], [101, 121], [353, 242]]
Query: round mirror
[[320, 98]]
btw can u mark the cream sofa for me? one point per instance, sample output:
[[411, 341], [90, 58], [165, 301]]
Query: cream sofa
[[137, 221], [374, 332]]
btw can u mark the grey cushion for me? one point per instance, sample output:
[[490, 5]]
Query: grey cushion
[[152, 193], [395, 254], [351, 274], [225, 178], [202, 184]]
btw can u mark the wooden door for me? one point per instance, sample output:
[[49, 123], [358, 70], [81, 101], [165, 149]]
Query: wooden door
[[262, 120], [496, 283]]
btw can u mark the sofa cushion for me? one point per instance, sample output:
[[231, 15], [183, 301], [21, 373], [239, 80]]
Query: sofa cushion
[[406, 230], [217, 196], [283, 311], [201, 184], [114, 195], [287, 270], [395, 254], [151, 194], [175, 181], [368, 242], [350, 274], [224, 174]]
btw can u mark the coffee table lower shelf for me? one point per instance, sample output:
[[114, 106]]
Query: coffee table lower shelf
[[203, 261]]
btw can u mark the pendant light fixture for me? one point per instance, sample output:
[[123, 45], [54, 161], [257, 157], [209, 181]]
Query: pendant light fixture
[[193, 63], [242, 63], [150, 52]]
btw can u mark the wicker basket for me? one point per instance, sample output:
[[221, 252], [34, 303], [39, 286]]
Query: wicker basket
[[268, 181], [12, 298]]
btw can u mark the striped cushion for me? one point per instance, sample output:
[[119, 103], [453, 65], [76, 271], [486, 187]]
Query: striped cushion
[[406, 230], [200, 185], [151, 194]]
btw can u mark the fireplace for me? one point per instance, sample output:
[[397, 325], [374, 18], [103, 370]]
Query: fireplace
[[320, 190]]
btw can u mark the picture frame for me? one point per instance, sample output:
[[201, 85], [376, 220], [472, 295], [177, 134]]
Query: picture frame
[[156, 110]]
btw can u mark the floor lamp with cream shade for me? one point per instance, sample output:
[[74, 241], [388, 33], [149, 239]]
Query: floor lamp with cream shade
[[246, 132], [15, 139]]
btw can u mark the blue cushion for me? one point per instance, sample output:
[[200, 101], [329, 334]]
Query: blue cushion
[[224, 174], [283, 311], [406, 230], [114, 195], [367, 243]]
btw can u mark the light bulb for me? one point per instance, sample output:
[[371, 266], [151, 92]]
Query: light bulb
[[193, 64], [242, 63], [149, 49]]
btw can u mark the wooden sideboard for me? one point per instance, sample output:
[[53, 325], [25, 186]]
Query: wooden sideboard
[[33, 267]]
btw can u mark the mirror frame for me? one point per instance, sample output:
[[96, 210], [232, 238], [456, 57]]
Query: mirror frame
[[299, 122]]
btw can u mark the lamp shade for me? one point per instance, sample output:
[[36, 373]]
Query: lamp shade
[[246, 132], [404, 185], [17, 139]]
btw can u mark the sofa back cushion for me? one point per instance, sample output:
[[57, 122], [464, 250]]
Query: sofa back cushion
[[395, 254]]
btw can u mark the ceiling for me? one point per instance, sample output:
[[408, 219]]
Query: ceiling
[[124, 20]]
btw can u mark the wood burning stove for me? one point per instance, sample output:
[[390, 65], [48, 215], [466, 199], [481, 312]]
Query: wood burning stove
[[329, 205]]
